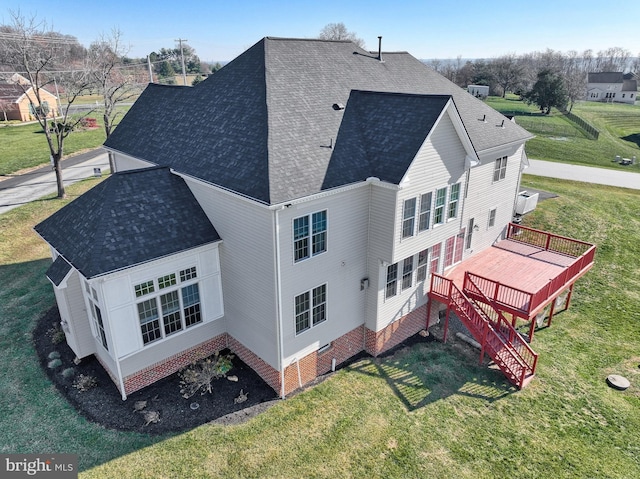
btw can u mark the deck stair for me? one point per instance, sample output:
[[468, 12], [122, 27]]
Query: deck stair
[[497, 337]]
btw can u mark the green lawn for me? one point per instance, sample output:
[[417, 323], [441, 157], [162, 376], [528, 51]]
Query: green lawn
[[558, 139], [428, 412]]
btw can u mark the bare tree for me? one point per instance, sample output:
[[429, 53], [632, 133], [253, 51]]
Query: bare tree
[[115, 82], [338, 31], [615, 59], [36, 53], [507, 72], [5, 106]]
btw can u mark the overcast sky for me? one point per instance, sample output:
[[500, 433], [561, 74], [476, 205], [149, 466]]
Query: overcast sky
[[428, 29]]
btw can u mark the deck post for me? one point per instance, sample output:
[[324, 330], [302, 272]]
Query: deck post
[[446, 324], [532, 320], [553, 307], [429, 304], [566, 304]]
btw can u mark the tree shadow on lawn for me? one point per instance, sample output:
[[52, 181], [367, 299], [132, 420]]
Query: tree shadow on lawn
[[420, 374], [633, 138]]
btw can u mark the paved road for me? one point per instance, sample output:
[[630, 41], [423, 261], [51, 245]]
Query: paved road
[[21, 189], [587, 174]]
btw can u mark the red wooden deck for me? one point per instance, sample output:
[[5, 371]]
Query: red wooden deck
[[514, 264]]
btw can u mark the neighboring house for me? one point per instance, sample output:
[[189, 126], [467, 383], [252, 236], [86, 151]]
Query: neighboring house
[[294, 207], [19, 102], [479, 91], [611, 87]]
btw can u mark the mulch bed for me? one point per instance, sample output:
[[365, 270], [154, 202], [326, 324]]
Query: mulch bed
[[103, 404]]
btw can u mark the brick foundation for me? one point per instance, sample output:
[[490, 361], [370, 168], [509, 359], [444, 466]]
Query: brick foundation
[[174, 363], [301, 371], [405, 327], [316, 364]]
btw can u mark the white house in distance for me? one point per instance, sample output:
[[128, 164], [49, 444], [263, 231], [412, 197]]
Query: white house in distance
[[611, 87], [479, 91], [295, 207]]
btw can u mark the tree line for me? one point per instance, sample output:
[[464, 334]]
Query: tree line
[[520, 73]]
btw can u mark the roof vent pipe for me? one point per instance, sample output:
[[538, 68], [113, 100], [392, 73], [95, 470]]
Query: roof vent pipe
[[379, 48]]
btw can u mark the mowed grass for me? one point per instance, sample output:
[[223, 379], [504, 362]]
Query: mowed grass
[[25, 146], [558, 139], [428, 411]]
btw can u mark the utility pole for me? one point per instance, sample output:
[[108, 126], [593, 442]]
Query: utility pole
[[150, 70], [184, 74]]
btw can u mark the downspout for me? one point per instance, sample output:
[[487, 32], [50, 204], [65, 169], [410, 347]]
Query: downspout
[[278, 283]]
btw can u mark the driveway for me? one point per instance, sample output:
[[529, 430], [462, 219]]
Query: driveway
[[587, 174], [20, 189]]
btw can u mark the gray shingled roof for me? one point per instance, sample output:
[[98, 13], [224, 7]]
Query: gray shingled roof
[[58, 270], [130, 218], [261, 125], [605, 77], [380, 136]]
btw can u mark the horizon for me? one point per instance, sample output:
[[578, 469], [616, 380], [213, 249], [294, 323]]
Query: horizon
[[427, 30]]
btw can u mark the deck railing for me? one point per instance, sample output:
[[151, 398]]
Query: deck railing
[[525, 303], [548, 241], [524, 352], [515, 359]]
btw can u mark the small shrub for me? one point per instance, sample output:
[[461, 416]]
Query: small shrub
[[68, 373], [198, 376], [55, 363], [84, 382], [56, 334], [54, 355]]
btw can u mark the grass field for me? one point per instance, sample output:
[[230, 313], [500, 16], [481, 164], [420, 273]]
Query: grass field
[[558, 139], [430, 411]]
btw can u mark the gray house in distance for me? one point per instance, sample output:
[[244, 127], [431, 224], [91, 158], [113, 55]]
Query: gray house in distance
[[295, 207]]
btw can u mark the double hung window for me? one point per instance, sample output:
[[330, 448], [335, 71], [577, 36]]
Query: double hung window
[[309, 235], [170, 304], [310, 308]]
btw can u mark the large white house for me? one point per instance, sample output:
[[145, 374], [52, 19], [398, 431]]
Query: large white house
[[611, 87], [292, 208]]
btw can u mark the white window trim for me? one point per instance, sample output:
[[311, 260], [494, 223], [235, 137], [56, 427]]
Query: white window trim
[[310, 235], [312, 306], [157, 293]]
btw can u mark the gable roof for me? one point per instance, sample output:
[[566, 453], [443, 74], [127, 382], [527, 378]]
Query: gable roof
[[10, 92], [380, 135], [130, 218], [605, 77], [261, 124]]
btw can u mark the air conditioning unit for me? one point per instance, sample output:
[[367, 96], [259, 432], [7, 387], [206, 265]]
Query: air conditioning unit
[[526, 202]]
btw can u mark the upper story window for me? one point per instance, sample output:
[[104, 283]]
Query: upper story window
[[177, 308], [454, 197], [425, 212], [438, 211], [309, 235], [500, 169], [408, 217]]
